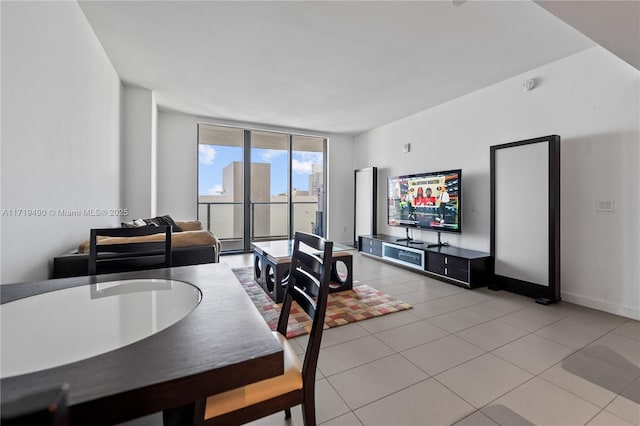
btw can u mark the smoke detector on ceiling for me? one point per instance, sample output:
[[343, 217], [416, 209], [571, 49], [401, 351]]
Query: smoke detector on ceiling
[[528, 85]]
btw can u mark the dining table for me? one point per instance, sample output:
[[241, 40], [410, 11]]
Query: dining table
[[134, 343]]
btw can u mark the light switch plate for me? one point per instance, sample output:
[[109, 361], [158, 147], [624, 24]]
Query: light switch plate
[[605, 205]]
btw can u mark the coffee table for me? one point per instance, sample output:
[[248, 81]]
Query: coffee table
[[272, 259]]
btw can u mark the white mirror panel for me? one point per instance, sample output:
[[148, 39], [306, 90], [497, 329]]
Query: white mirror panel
[[365, 204], [522, 213]]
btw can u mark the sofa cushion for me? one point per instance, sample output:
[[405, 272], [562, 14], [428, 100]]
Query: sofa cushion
[[181, 239], [190, 225], [165, 220]]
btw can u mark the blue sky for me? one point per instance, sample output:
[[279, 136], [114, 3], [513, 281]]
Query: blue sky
[[212, 159]]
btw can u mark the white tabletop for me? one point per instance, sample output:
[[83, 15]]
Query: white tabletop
[[60, 327]]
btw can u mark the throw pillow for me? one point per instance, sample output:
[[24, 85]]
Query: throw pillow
[[139, 222], [163, 221], [169, 220]]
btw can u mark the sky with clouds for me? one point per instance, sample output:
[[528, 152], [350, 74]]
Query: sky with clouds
[[212, 159]]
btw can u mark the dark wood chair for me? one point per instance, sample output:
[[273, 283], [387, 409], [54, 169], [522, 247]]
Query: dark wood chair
[[309, 287], [47, 407], [124, 253]]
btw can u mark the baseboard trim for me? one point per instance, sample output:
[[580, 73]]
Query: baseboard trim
[[623, 311]]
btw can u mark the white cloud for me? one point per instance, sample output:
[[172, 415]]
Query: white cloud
[[215, 190], [302, 167], [269, 154], [314, 157], [206, 154], [303, 161]]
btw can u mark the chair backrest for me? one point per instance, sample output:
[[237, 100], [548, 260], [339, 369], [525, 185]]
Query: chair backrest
[[308, 285], [151, 248]]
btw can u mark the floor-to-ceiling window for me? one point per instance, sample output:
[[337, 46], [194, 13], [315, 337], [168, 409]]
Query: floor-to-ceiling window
[[220, 183], [269, 186], [256, 185], [308, 184]]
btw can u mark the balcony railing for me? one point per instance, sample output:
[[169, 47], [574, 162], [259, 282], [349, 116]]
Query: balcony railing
[[268, 221]]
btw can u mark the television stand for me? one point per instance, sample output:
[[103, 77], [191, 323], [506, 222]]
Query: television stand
[[408, 239], [439, 243], [466, 268]]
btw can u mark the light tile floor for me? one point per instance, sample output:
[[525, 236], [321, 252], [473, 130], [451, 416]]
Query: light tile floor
[[472, 357]]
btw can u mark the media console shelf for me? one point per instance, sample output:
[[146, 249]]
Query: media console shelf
[[467, 268]]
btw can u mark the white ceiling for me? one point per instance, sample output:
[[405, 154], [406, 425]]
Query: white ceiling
[[613, 24], [340, 67]]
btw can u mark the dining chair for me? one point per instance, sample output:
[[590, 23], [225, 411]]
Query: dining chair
[[46, 407], [309, 287], [129, 249]]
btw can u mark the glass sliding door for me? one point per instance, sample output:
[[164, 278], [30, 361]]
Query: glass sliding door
[[269, 186], [221, 183], [308, 184], [258, 185]]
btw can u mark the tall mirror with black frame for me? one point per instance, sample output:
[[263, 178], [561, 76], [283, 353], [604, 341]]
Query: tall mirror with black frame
[[525, 230]]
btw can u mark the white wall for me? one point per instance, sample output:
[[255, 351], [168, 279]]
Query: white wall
[[60, 134], [340, 189], [139, 152], [177, 152], [178, 163], [591, 99]]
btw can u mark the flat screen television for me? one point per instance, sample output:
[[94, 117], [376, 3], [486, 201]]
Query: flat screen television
[[431, 201]]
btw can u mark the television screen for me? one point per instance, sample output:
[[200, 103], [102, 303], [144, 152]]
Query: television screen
[[427, 201]]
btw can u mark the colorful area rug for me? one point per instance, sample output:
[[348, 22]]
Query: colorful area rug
[[344, 307]]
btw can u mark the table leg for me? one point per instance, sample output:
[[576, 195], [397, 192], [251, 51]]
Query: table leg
[[188, 415], [339, 283], [258, 267], [273, 277], [280, 271]]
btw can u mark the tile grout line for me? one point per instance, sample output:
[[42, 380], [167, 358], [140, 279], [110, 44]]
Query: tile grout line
[[564, 314]]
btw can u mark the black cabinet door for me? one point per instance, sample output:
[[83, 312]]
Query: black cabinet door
[[457, 263], [435, 263], [371, 246], [457, 274], [450, 266]]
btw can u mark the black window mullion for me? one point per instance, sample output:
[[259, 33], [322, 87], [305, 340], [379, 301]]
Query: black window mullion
[[246, 186], [324, 187], [290, 187]]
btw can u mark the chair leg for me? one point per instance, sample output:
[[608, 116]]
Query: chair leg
[[309, 412], [287, 413]]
